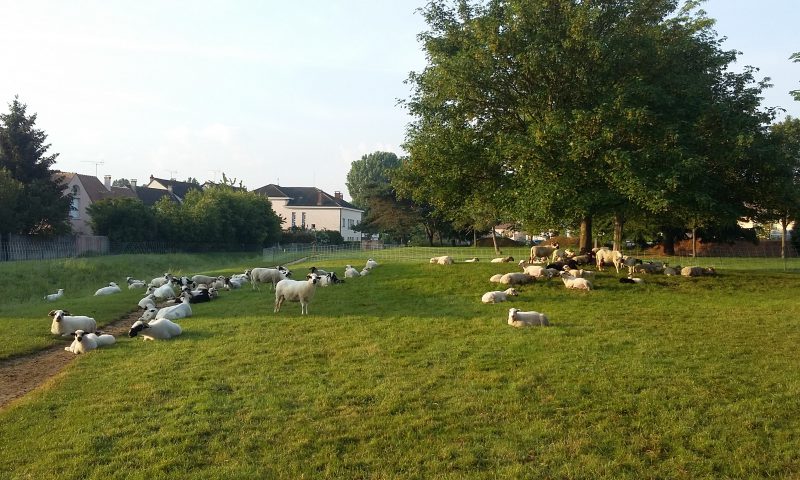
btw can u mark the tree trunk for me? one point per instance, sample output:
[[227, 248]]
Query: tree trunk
[[694, 241], [669, 243], [474, 238], [585, 242], [784, 224], [619, 222], [5, 240], [494, 242]]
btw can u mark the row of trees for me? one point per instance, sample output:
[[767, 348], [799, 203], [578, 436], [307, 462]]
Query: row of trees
[[561, 114]]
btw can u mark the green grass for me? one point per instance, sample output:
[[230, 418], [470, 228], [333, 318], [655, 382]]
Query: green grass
[[405, 374]]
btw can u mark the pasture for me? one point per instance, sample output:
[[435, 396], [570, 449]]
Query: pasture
[[405, 374]]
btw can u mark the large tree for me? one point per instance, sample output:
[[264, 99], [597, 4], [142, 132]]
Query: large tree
[[370, 175], [572, 109], [123, 220], [41, 208]]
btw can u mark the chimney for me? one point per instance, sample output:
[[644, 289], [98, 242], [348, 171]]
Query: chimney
[[107, 182], [169, 188], [133, 184], [319, 197], [338, 195]]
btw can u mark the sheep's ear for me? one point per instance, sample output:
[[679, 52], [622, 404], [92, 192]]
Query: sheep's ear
[[66, 312], [52, 313], [73, 335]]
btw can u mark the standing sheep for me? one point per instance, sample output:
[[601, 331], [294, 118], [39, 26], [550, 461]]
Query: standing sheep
[[605, 256], [542, 252], [267, 275], [296, 291]]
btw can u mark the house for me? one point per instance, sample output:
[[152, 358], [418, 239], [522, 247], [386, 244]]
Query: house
[[86, 190], [311, 208], [177, 188]]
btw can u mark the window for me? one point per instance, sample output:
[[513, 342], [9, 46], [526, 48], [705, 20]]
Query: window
[[303, 220], [294, 219], [75, 208], [342, 222]]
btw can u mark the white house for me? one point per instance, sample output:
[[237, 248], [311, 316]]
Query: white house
[[311, 208], [86, 190]]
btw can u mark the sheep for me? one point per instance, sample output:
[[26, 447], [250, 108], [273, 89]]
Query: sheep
[[148, 300], [182, 310], [318, 271], [472, 260], [267, 275], [111, 289], [85, 342], [136, 284], [66, 324], [201, 296], [220, 282], [542, 252], [502, 260], [159, 281], [585, 259], [236, 282], [496, 278], [631, 280], [630, 263], [697, 271], [605, 256], [518, 319], [350, 272], [161, 329], [589, 274], [198, 279], [498, 296], [649, 267], [371, 263], [130, 280], [365, 271], [516, 278], [296, 291], [329, 279], [149, 314], [575, 283], [672, 271], [55, 296], [443, 260], [163, 292]]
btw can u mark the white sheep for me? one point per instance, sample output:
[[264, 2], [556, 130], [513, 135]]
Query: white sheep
[[204, 279], [517, 318], [604, 256], [174, 312], [516, 278], [502, 260], [365, 271], [497, 296], [296, 291], [443, 260], [543, 252], [672, 271], [537, 271], [85, 342], [496, 278], [575, 283], [149, 314], [581, 273], [136, 284], [350, 272], [163, 292], [112, 288], [160, 329], [267, 275], [237, 282], [66, 324], [148, 300], [371, 264], [472, 260], [55, 296], [697, 271], [159, 281]]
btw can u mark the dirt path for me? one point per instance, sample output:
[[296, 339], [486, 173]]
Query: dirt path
[[20, 375]]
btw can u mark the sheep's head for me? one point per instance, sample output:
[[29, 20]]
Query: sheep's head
[[512, 314], [78, 334], [149, 314], [137, 327], [112, 284], [58, 315], [512, 292]]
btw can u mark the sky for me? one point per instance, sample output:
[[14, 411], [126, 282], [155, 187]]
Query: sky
[[265, 91]]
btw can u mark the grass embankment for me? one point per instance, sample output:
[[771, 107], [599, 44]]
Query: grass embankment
[[404, 374]]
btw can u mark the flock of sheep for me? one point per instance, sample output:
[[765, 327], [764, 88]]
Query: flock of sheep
[[549, 261], [157, 323]]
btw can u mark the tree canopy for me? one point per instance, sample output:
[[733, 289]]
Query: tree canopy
[[370, 175]]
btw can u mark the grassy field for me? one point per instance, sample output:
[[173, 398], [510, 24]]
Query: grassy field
[[405, 374]]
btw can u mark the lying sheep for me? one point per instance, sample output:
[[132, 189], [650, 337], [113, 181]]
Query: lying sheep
[[371, 264], [575, 283], [204, 279], [502, 260], [517, 318], [163, 292], [365, 271], [85, 342], [631, 280], [516, 278], [296, 291], [589, 274], [538, 271], [182, 310], [159, 281], [697, 271], [498, 296], [472, 260], [318, 271], [267, 275], [161, 329], [66, 324], [496, 278], [350, 272], [112, 288], [136, 284], [148, 300], [443, 260], [55, 296], [149, 314], [672, 271]]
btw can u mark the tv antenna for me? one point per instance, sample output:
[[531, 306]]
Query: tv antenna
[[172, 174], [101, 162], [216, 174]]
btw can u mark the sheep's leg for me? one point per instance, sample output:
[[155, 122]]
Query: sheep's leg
[[278, 303]]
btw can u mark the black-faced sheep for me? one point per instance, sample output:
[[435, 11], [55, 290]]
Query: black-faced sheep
[[160, 329]]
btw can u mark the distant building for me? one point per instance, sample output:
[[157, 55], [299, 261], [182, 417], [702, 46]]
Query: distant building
[[311, 208], [177, 188], [86, 190]]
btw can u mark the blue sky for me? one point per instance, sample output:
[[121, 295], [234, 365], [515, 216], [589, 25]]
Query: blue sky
[[265, 91]]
